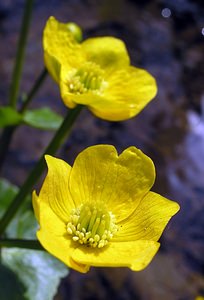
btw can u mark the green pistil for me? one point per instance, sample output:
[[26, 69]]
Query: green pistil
[[88, 78], [91, 224]]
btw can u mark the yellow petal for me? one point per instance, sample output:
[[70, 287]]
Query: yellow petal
[[128, 91], [60, 47], [148, 220], [55, 190], [108, 52], [98, 174], [53, 236], [62, 248], [47, 219], [135, 255]]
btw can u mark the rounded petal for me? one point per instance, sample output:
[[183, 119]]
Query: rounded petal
[[148, 220], [46, 217], [55, 190], [108, 52], [61, 248], [60, 47], [52, 234], [99, 174], [135, 255], [128, 91]]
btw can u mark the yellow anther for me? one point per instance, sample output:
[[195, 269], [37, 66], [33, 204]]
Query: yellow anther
[[88, 78], [92, 225]]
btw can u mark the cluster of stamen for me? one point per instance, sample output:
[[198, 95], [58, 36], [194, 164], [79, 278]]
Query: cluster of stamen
[[88, 77], [92, 225]]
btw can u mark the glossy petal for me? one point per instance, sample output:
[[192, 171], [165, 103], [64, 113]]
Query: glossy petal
[[60, 47], [55, 190], [135, 255], [52, 233], [108, 52], [47, 219], [98, 174], [128, 91], [148, 220], [62, 248]]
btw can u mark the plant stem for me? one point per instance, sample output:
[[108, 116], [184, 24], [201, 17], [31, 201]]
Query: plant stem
[[57, 140], [20, 53], [5, 140], [27, 244], [8, 132], [34, 90]]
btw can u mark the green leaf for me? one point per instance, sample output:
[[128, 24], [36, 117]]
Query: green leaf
[[43, 118], [10, 288], [24, 225], [38, 272], [9, 116], [7, 192]]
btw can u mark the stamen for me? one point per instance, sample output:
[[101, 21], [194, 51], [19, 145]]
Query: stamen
[[92, 225], [88, 78]]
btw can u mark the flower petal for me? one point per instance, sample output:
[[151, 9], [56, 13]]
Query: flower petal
[[135, 177], [135, 255], [128, 91], [148, 220], [55, 189], [108, 52], [46, 217], [60, 47], [98, 174], [61, 248], [52, 234]]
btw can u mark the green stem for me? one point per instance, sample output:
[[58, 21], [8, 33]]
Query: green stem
[[57, 140], [34, 90], [27, 244], [20, 53], [8, 132], [5, 141]]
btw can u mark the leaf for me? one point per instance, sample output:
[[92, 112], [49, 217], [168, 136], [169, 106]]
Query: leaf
[[43, 118], [7, 192], [9, 116], [9, 279], [24, 225], [38, 272]]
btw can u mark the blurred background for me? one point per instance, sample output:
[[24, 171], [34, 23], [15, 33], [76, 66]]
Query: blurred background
[[166, 37]]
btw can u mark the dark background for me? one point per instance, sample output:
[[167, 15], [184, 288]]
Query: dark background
[[166, 38]]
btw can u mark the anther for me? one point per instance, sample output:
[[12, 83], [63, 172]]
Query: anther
[[92, 225]]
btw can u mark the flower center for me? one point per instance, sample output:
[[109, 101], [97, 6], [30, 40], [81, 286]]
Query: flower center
[[88, 77], [92, 224]]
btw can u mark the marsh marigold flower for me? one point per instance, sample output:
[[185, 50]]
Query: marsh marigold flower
[[101, 212], [96, 73]]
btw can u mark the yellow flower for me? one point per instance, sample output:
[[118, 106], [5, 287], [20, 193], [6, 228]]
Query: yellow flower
[[101, 212], [96, 73]]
